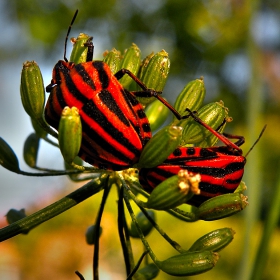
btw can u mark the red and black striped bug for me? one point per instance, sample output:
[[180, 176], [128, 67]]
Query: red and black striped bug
[[115, 127], [221, 168]]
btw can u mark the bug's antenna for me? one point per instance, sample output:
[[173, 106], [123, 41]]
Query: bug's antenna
[[256, 141], [68, 32]]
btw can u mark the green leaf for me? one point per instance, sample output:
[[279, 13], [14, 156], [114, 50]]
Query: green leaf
[[8, 158], [30, 149]]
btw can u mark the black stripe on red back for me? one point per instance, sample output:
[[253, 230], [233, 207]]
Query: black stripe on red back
[[71, 87], [86, 78], [91, 110], [107, 98], [102, 74]]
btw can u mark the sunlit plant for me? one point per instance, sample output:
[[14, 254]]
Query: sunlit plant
[[170, 195]]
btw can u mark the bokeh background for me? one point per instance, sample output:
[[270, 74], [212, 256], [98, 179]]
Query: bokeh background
[[233, 44]]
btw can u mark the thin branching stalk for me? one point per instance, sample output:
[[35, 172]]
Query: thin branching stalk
[[269, 226], [60, 206], [141, 235], [129, 277], [253, 169], [107, 188], [123, 235], [173, 243]]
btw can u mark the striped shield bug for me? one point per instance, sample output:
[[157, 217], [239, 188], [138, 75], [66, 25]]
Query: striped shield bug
[[221, 168], [114, 125]]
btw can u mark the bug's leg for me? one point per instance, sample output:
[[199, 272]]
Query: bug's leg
[[221, 125], [124, 71], [90, 47], [147, 92], [157, 95], [222, 137], [240, 139]]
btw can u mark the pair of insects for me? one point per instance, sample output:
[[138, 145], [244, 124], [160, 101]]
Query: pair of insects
[[115, 128]]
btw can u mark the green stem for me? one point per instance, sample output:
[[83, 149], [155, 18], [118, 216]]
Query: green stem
[[56, 172], [124, 236], [107, 188], [173, 243], [54, 209], [51, 173], [141, 235], [79, 275], [136, 186], [253, 167], [269, 225], [47, 128], [51, 142], [182, 215], [132, 195], [129, 277]]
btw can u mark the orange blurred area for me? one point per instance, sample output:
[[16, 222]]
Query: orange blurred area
[[57, 248]]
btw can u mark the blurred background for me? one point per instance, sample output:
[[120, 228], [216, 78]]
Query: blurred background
[[233, 44]]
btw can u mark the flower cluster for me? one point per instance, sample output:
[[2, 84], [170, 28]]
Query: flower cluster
[[153, 182]]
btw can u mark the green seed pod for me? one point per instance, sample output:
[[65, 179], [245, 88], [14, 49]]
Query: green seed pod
[[150, 271], [70, 133], [189, 263], [80, 49], [30, 149], [8, 158], [32, 90], [160, 147], [191, 97], [212, 114], [241, 188], [144, 224], [38, 128], [131, 61], [211, 140], [213, 241], [157, 114], [91, 234], [14, 215], [143, 67], [221, 206], [154, 74], [174, 191], [113, 59]]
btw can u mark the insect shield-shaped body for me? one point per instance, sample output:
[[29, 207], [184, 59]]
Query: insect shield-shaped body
[[115, 127], [221, 170]]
